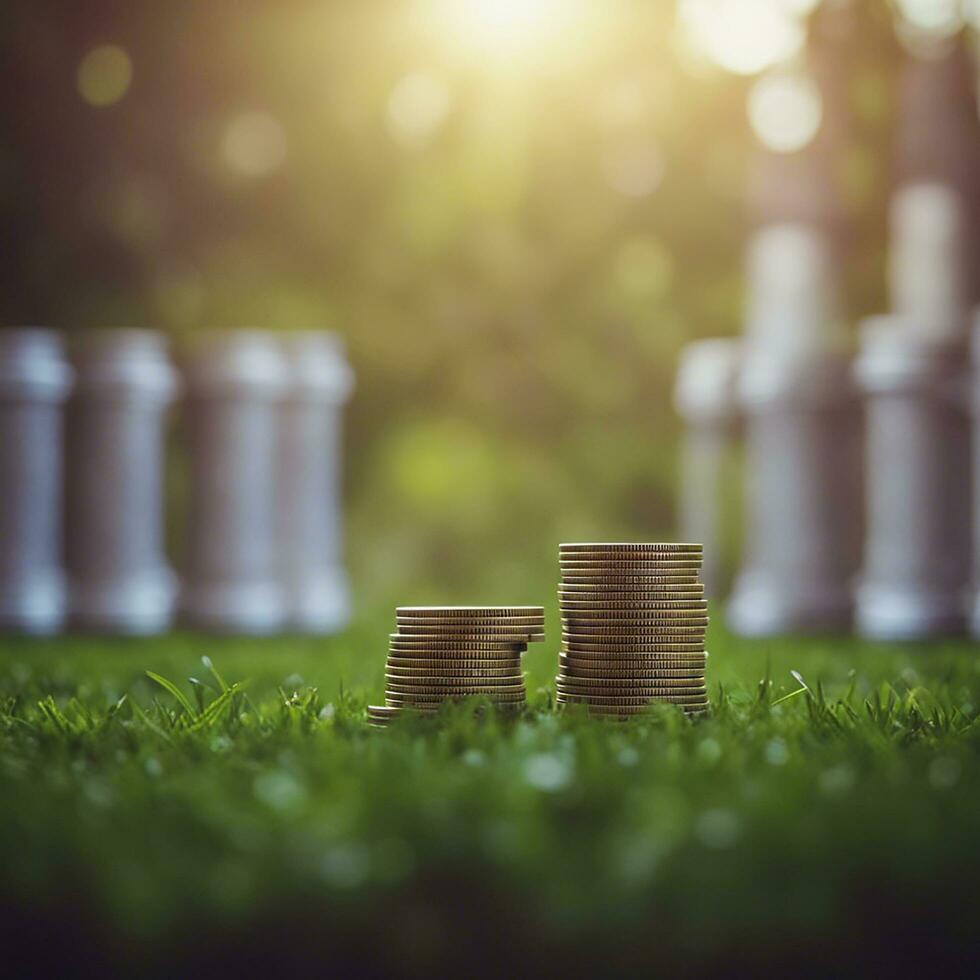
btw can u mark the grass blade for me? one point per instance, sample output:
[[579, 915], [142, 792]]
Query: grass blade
[[175, 691]]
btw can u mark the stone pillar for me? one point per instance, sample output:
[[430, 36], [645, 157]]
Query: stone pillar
[[793, 308], [34, 382], [119, 580], [310, 519], [236, 381], [934, 247], [975, 514], [801, 420], [802, 533], [913, 366], [928, 270], [917, 556], [704, 396]]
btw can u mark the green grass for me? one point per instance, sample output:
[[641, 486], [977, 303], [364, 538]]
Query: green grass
[[252, 818]]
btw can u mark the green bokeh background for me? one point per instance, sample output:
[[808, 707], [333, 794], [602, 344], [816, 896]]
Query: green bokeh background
[[513, 318]]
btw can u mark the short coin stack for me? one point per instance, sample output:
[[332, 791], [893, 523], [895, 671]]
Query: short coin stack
[[633, 624], [441, 653]]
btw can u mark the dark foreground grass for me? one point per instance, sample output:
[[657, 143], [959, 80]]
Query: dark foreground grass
[[251, 820]]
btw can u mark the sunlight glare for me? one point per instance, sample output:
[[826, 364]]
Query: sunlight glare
[[503, 30], [939, 18], [418, 106], [785, 111], [742, 36], [254, 144]]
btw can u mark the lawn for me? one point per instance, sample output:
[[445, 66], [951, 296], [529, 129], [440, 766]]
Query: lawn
[[828, 825]]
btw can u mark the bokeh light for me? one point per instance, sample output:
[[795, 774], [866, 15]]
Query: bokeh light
[[104, 75], [634, 167], [742, 36], [418, 106], [254, 144], [939, 18], [505, 31], [785, 111]]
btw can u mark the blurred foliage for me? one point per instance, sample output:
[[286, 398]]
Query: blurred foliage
[[514, 249]]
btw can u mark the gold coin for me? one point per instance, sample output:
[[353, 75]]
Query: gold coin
[[610, 581], [451, 661], [673, 583], [458, 622], [638, 674], [462, 658], [624, 659], [381, 711], [613, 684], [477, 633], [509, 648], [404, 700], [617, 606], [604, 547], [623, 600], [652, 630], [653, 678], [641, 675], [628, 663], [628, 613], [629, 689], [637, 696], [600, 616], [424, 709], [618, 702], [456, 690], [614, 658], [592, 647], [631, 711], [440, 671], [670, 598], [451, 680], [621, 566], [644, 628], [677, 634], [467, 612], [466, 641], [431, 627], [631, 645], [386, 712], [463, 680], [454, 663]]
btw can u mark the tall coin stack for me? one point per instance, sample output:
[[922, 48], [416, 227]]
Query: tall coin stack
[[442, 653], [633, 624]]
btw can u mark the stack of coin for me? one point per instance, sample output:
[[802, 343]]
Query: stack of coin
[[443, 653], [633, 624]]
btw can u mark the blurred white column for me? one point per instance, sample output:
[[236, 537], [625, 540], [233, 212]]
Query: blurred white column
[[975, 514], [913, 366], [917, 556], [119, 580], [928, 269], [933, 232], [802, 528], [34, 382], [802, 492], [310, 453], [792, 293], [236, 381], [704, 397]]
